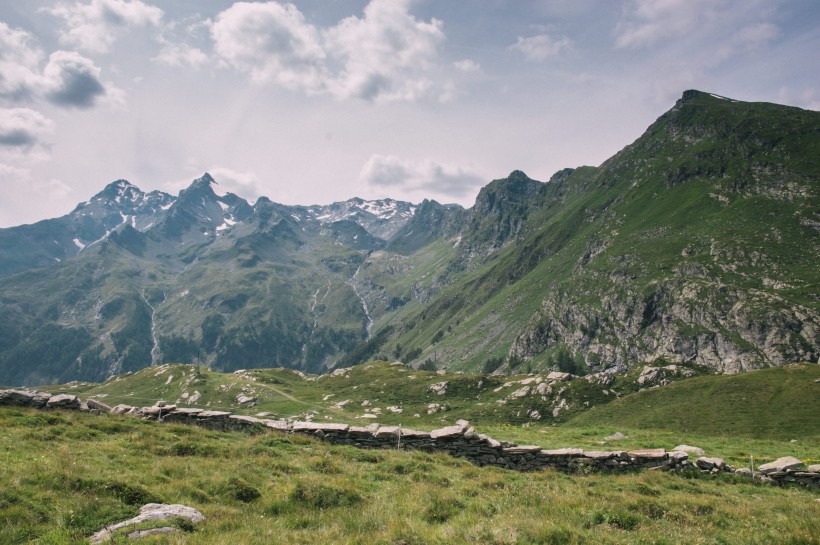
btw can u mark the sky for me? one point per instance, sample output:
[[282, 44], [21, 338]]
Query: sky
[[317, 101]]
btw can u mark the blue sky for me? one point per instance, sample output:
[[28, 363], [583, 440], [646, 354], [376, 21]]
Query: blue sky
[[321, 100]]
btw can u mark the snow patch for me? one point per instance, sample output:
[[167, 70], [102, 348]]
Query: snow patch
[[78, 244]]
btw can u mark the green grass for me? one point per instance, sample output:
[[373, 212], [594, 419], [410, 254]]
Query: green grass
[[72, 473], [778, 403]]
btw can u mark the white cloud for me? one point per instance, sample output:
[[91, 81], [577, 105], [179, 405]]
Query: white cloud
[[24, 129], [181, 55], [94, 26], [271, 42], [388, 54], [72, 80], [67, 80], [539, 47], [385, 55], [19, 60], [468, 66], [244, 184], [427, 175]]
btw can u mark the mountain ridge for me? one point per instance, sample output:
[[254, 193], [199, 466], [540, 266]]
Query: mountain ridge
[[695, 243]]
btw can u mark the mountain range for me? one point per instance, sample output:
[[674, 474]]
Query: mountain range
[[696, 243]]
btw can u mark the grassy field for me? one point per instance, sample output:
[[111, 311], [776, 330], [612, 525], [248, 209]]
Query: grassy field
[[69, 474]]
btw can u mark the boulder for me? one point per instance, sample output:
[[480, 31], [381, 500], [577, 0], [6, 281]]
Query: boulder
[[63, 401], [815, 468], [99, 406], [649, 454], [708, 464], [781, 464], [559, 376], [242, 399], [150, 512], [617, 436], [448, 432], [690, 449], [122, 409], [24, 398]]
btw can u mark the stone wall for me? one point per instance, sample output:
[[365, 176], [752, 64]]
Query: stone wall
[[459, 440]]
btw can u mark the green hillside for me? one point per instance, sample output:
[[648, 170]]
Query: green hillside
[[770, 403]]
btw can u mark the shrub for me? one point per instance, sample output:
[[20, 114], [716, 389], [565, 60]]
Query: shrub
[[321, 496]]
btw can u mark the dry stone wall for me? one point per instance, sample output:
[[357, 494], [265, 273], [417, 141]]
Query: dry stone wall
[[459, 440]]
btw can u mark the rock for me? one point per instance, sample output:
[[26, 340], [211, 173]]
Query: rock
[[242, 399], [708, 464], [440, 388], [781, 464], [743, 471], [690, 449], [814, 468], [649, 454], [24, 398], [559, 376], [317, 426], [617, 436], [122, 409], [150, 512], [63, 401], [448, 432], [95, 405]]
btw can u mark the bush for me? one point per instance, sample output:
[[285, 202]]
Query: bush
[[240, 490], [320, 496]]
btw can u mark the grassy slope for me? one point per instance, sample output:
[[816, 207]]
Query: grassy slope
[[73, 473], [769, 403]]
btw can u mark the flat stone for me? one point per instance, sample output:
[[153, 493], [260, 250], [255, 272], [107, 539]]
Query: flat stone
[[781, 464], [242, 399], [448, 432], [743, 472], [318, 426], [690, 449], [281, 425], [63, 401], [245, 419], [559, 376], [522, 449], [95, 405], [710, 463], [122, 409], [600, 454], [213, 414], [415, 434], [814, 468], [678, 455], [188, 411], [563, 452], [26, 398], [649, 454], [152, 532], [391, 431]]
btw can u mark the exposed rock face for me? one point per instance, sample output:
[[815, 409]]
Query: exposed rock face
[[150, 512], [24, 398], [682, 321]]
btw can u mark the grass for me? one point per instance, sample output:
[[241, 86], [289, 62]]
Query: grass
[[72, 473]]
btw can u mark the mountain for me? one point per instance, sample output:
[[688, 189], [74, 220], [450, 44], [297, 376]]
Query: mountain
[[697, 243]]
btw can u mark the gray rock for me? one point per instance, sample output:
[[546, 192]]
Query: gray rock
[[150, 512], [63, 401], [24, 398], [318, 426], [617, 436], [242, 399], [781, 464], [814, 468], [743, 471], [649, 454], [152, 532], [690, 449], [122, 409], [95, 405], [709, 464], [449, 431]]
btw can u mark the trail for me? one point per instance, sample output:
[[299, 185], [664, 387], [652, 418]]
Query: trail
[[352, 284]]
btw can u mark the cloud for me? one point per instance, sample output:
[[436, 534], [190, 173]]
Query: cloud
[[385, 55], [468, 66], [427, 175], [23, 129], [244, 184], [181, 55], [736, 25], [19, 61], [272, 42], [538, 48], [67, 80], [72, 80], [94, 26]]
